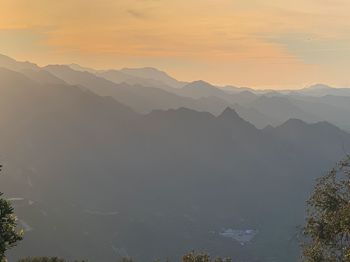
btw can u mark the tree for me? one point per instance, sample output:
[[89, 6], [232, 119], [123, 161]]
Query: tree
[[126, 259], [190, 257], [46, 259], [8, 234], [202, 257], [41, 259], [327, 229]]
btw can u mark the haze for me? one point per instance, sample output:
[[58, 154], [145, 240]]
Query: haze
[[260, 43]]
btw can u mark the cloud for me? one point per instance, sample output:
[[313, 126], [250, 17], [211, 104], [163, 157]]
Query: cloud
[[137, 14]]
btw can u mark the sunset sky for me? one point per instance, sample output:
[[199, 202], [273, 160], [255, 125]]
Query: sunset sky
[[257, 43]]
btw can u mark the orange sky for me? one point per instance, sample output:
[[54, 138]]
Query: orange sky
[[257, 43]]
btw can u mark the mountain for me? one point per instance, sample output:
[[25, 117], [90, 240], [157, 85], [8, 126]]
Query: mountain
[[333, 109], [281, 108], [144, 99], [243, 98], [96, 180], [42, 76], [143, 95], [148, 76], [140, 98], [80, 68], [30, 99], [320, 90], [234, 89], [199, 89], [336, 101], [153, 74], [118, 77], [10, 63]]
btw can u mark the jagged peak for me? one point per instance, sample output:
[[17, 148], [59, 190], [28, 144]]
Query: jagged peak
[[229, 113]]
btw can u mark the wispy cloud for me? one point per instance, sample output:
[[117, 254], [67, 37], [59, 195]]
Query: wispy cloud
[[137, 14]]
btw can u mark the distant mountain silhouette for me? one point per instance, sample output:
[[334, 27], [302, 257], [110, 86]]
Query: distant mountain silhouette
[[323, 90], [154, 74], [199, 89], [281, 108], [42, 76], [234, 89], [10, 63], [148, 76], [80, 68]]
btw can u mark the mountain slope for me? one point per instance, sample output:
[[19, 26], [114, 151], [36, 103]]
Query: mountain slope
[[10, 63], [148, 76], [200, 89], [154, 74]]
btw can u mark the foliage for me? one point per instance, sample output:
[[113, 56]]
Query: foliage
[[8, 234], [191, 257], [327, 227], [45, 259], [126, 259], [202, 257]]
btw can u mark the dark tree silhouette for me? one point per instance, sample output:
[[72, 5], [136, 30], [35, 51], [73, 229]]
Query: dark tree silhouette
[[8, 234], [189, 257], [202, 257], [46, 259], [327, 230]]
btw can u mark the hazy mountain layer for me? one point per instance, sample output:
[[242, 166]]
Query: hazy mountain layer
[[147, 89], [93, 179]]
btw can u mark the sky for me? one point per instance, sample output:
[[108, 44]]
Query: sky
[[275, 44]]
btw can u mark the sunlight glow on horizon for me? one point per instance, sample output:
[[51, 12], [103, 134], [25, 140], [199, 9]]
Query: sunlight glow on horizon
[[257, 43]]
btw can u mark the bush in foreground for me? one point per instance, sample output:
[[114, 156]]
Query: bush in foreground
[[46, 259], [8, 224], [327, 228]]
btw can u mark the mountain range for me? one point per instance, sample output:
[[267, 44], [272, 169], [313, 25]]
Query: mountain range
[[147, 89], [131, 162]]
